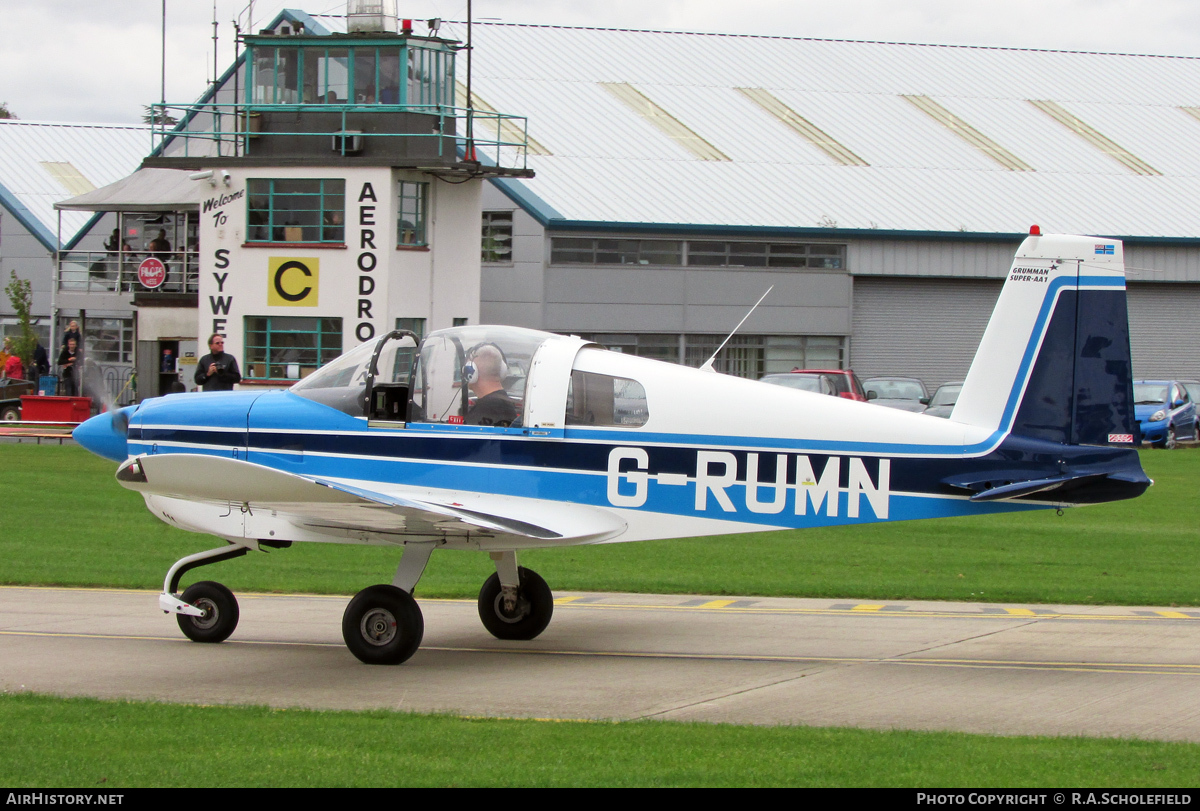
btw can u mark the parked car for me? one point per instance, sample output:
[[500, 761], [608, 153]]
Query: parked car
[[845, 382], [819, 383], [11, 390], [1165, 412], [904, 393], [943, 400], [1193, 390]]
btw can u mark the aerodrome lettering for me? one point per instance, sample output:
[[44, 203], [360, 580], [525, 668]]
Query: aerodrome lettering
[[365, 329], [718, 487], [220, 304]]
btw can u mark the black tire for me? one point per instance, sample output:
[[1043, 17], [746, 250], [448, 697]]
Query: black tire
[[10, 413], [220, 617], [535, 607], [383, 625]]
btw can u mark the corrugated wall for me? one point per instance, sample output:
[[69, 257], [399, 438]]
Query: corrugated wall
[[930, 328], [1164, 330], [926, 328]]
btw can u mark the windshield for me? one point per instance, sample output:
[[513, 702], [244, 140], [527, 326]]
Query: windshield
[[1149, 393], [342, 383], [895, 389], [795, 381], [946, 395]]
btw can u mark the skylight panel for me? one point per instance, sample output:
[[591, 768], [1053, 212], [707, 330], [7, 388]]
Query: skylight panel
[[807, 130], [664, 122], [968, 133], [1095, 138], [68, 176], [510, 131]]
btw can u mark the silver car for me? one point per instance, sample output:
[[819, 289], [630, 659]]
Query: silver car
[[904, 393]]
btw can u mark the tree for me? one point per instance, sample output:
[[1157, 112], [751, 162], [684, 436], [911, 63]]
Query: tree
[[160, 117], [20, 293], [5, 112]]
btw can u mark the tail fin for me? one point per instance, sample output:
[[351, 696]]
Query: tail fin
[[1054, 362]]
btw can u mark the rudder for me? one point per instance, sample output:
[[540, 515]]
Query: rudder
[[1054, 363]]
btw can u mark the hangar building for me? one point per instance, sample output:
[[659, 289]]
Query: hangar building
[[880, 189]]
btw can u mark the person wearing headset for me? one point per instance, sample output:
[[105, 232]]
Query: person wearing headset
[[484, 372]]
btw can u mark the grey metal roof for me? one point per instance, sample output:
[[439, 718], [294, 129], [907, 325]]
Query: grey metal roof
[[144, 190], [610, 165], [32, 154]]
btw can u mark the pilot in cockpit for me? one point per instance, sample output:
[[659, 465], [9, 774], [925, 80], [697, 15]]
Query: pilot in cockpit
[[484, 372]]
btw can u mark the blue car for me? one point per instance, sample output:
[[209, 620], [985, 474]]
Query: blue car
[[1165, 412]]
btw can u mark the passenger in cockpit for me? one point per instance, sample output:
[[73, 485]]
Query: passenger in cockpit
[[485, 372]]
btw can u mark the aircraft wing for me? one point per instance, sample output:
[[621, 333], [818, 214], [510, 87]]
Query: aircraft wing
[[318, 502]]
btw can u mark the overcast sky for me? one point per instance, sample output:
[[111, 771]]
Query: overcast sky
[[77, 60]]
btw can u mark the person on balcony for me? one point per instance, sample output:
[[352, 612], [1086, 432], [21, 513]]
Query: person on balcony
[[160, 248]]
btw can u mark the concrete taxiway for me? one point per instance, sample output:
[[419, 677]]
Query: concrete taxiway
[[1045, 670]]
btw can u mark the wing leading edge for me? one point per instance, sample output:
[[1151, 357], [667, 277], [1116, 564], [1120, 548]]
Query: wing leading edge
[[322, 502]]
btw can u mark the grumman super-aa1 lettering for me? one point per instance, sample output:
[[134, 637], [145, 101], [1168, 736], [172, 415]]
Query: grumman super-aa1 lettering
[[716, 475], [1020, 274]]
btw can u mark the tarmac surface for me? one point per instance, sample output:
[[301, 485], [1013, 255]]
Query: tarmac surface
[[1045, 670]]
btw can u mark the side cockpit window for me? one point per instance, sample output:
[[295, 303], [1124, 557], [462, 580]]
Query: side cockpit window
[[596, 399]]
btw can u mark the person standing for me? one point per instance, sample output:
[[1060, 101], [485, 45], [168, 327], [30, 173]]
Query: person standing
[[218, 370], [72, 332], [41, 362], [160, 248], [13, 367], [68, 365]]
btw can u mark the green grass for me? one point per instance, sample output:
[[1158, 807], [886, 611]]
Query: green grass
[[48, 742], [67, 522]]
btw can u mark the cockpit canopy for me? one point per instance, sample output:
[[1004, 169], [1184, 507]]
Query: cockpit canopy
[[463, 375], [477, 375]]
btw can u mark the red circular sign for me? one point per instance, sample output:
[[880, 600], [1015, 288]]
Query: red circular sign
[[152, 273]]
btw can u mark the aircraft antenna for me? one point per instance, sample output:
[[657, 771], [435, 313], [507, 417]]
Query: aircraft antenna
[[708, 364]]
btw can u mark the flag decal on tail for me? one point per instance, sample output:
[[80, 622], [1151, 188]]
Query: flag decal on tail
[[1106, 249]]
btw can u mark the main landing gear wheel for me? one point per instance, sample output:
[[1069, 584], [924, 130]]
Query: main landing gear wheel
[[383, 625], [220, 609], [527, 618]]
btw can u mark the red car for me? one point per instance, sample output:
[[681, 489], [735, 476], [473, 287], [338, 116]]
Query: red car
[[848, 384]]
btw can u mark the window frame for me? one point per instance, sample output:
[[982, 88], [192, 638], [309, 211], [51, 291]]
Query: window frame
[[325, 351], [336, 231], [420, 221], [496, 227], [730, 254]]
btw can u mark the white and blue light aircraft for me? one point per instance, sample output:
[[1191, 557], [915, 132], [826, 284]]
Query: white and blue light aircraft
[[405, 443]]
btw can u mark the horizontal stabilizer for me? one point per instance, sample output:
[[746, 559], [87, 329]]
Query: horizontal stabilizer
[[1018, 489]]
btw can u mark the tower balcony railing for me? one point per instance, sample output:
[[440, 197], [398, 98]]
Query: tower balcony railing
[[231, 130], [117, 272]]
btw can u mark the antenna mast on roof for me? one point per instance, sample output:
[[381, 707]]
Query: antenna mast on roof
[[163, 100], [470, 150]]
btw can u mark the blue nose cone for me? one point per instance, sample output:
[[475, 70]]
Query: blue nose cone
[[106, 434]]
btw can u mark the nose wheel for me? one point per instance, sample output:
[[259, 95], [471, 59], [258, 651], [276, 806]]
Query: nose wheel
[[220, 612]]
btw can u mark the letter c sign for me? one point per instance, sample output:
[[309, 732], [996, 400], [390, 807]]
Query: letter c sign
[[292, 281]]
